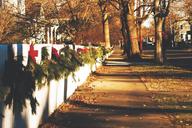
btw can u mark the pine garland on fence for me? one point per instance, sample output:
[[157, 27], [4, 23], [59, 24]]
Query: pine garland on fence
[[22, 80], [90, 55], [69, 61], [51, 67], [86, 56]]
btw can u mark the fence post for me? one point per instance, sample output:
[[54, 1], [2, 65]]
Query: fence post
[[65, 88]]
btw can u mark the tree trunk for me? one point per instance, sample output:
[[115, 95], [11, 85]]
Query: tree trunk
[[140, 37], [164, 47], [132, 28], [124, 28], [159, 40], [106, 31], [124, 32], [140, 13]]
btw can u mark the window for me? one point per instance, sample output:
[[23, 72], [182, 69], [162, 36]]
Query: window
[[181, 36], [181, 26], [19, 2], [189, 37]]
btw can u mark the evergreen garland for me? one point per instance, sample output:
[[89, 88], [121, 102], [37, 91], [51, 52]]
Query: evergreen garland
[[100, 52], [62, 64], [86, 55], [37, 72], [22, 80], [69, 61], [106, 50], [51, 67]]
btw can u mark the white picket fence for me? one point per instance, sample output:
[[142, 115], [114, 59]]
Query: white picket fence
[[49, 97]]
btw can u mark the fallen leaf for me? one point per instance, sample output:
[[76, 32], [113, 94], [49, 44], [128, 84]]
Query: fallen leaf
[[181, 121], [184, 106]]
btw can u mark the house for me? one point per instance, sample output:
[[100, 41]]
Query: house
[[18, 6], [182, 31], [180, 25], [33, 25], [43, 28]]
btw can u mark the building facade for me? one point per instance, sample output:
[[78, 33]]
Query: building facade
[[182, 31]]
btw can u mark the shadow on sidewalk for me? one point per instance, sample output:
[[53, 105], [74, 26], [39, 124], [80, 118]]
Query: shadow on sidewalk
[[129, 110], [159, 74]]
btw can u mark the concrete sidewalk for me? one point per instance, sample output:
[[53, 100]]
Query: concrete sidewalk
[[111, 98]]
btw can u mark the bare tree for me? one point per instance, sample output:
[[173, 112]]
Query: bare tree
[[7, 25]]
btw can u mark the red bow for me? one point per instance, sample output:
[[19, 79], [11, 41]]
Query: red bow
[[82, 50], [55, 52], [33, 53]]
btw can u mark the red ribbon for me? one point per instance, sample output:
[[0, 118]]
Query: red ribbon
[[33, 53], [55, 52], [82, 50]]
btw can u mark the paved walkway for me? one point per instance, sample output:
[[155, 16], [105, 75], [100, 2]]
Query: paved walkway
[[111, 98]]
